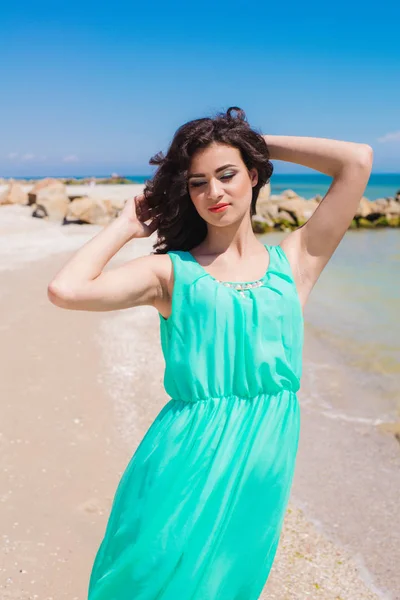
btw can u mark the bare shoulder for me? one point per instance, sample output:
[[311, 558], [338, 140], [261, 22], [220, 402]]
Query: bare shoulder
[[162, 267], [293, 247]]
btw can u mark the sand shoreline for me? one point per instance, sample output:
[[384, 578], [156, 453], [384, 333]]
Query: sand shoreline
[[78, 401]]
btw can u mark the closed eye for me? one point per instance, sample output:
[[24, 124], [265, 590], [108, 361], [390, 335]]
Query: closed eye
[[202, 182]]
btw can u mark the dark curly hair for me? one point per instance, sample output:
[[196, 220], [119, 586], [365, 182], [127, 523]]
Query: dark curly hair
[[166, 195]]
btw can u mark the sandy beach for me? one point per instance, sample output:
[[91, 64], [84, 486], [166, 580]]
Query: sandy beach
[[80, 389]]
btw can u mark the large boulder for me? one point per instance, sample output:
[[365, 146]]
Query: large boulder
[[40, 185], [51, 201], [287, 209], [267, 210], [117, 204], [299, 208], [286, 218], [380, 206], [318, 198], [393, 207], [365, 208], [365, 223], [289, 194], [264, 193], [275, 198], [262, 224], [393, 220], [90, 210], [14, 194]]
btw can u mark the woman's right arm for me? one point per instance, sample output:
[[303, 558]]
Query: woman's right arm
[[82, 285]]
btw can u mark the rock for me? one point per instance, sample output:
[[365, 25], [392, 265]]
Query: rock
[[362, 222], [289, 194], [381, 221], [90, 210], [42, 184], [275, 198], [353, 224], [118, 204], [39, 212], [267, 210], [393, 207], [14, 194], [264, 193], [318, 198], [365, 208], [262, 224], [300, 209], [380, 205], [286, 218], [51, 201], [393, 220]]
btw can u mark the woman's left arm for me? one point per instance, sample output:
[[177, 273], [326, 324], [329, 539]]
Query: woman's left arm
[[310, 247]]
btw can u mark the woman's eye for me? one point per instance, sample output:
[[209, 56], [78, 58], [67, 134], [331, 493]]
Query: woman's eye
[[197, 184], [223, 177]]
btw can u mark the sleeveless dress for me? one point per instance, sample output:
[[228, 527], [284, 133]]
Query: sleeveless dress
[[198, 512]]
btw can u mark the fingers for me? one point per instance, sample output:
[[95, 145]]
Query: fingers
[[142, 210], [143, 214]]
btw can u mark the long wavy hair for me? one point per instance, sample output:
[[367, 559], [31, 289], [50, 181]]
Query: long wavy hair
[[166, 196]]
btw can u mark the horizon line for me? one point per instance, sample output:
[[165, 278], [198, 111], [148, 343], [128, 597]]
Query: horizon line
[[149, 176]]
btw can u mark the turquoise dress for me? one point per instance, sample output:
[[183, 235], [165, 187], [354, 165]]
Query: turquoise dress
[[198, 512]]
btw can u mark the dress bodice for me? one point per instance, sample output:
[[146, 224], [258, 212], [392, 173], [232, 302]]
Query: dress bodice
[[219, 341]]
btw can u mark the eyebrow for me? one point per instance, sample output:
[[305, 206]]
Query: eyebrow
[[216, 170]]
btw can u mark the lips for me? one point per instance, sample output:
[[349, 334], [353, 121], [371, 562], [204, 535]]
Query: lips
[[218, 206]]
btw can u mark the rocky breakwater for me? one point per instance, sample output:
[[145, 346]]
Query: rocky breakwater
[[288, 211], [50, 199]]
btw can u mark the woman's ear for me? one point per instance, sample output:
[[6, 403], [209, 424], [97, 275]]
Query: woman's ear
[[253, 176]]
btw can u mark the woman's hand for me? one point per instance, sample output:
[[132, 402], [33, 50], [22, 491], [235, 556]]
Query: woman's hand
[[136, 213]]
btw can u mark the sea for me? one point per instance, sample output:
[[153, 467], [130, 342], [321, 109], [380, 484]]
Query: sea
[[380, 185]]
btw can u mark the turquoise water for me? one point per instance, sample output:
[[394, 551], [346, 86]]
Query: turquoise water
[[379, 185], [307, 185], [354, 308]]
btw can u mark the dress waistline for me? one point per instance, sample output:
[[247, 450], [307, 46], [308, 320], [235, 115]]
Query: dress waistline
[[269, 394]]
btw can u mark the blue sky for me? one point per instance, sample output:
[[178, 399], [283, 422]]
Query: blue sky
[[90, 88]]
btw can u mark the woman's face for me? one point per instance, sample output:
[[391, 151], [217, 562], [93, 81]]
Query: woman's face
[[218, 175]]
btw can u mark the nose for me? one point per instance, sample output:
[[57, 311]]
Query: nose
[[215, 189]]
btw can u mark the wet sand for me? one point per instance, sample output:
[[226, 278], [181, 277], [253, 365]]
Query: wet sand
[[78, 392]]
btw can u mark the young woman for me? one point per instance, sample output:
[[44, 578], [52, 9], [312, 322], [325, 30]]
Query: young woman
[[199, 509]]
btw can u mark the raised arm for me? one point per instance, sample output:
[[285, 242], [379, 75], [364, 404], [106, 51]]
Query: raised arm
[[83, 285], [310, 247]]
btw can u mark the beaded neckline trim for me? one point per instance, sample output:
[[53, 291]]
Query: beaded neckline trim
[[241, 286], [238, 286]]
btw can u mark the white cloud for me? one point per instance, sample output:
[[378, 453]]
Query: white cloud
[[394, 136], [70, 158], [26, 156]]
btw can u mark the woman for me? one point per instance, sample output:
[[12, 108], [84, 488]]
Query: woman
[[199, 509]]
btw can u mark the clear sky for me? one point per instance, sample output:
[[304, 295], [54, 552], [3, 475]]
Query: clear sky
[[93, 88]]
